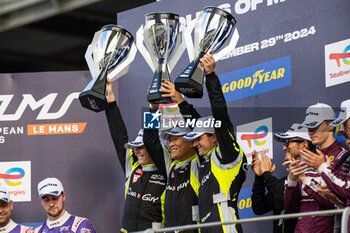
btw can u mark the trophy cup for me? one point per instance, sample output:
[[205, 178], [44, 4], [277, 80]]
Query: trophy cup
[[109, 54], [161, 37], [212, 29]]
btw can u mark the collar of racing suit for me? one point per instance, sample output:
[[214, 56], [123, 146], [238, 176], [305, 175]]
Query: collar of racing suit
[[149, 167], [9, 227], [179, 164], [328, 150], [209, 152], [59, 222]]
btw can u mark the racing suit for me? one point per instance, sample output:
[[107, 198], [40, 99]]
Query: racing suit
[[13, 227], [271, 201], [181, 196], [144, 185], [336, 176], [223, 170], [67, 223], [301, 197]]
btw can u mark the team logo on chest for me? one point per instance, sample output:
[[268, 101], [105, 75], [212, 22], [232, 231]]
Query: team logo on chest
[[137, 175], [173, 173], [64, 229]]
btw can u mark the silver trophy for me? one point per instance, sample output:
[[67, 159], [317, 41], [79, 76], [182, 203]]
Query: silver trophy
[[213, 27], [161, 37], [109, 55]]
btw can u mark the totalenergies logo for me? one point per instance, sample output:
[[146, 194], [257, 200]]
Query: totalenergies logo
[[259, 133], [341, 56], [9, 175]]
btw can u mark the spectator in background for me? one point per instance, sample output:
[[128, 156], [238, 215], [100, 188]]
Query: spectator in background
[[343, 119], [52, 197], [301, 194], [321, 129], [273, 200], [6, 223], [335, 173]]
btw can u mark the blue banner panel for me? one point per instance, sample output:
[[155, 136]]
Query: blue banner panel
[[256, 79]]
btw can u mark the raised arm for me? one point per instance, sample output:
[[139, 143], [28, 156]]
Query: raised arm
[[187, 110], [116, 125], [159, 153], [225, 134]]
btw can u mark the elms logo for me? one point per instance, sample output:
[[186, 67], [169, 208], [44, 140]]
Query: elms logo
[[44, 105], [16, 176], [337, 61], [256, 136], [256, 79]]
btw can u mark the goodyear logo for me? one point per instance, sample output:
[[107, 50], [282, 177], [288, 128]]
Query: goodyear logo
[[256, 79], [244, 203]]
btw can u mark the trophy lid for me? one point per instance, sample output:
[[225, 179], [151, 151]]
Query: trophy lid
[[118, 28], [161, 15], [221, 12]]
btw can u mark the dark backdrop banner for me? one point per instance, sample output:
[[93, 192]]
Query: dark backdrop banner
[[289, 55], [44, 132]]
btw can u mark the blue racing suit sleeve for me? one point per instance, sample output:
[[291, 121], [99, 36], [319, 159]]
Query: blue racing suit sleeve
[[86, 226]]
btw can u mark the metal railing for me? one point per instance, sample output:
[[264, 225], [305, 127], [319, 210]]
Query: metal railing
[[344, 221]]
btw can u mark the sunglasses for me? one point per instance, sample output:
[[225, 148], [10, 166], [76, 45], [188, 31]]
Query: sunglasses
[[286, 142]]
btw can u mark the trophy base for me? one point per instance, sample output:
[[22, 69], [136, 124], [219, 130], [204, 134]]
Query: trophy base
[[189, 88], [93, 101], [158, 99]]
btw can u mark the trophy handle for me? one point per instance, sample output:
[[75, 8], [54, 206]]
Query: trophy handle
[[142, 49], [90, 62], [180, 46], [123, 67], [188, 38], [229, 47], [93, 66]]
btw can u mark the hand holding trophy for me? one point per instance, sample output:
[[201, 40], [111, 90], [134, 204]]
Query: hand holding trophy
[[161, 37], [109, 54], [212, 29]]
